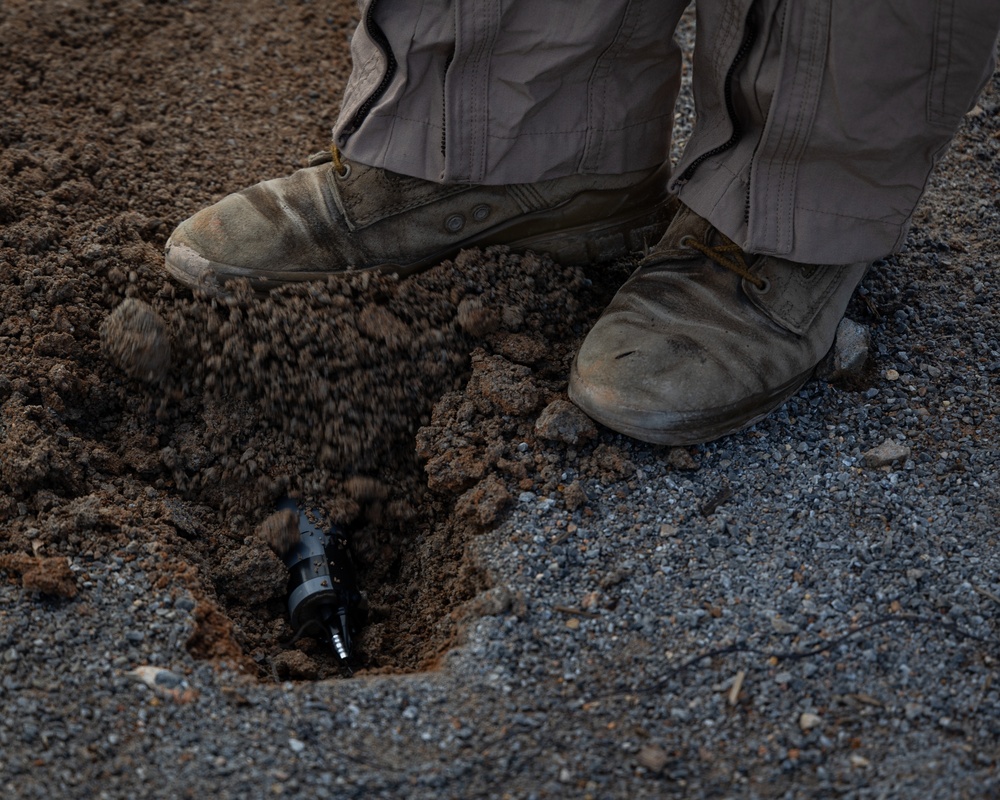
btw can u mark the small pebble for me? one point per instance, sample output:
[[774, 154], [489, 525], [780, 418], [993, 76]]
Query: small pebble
[[808, 721], [680, 458], [849, 354], [889, 452], [653, 758]]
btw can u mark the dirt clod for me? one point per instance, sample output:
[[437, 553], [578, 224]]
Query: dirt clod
[[574, 496], [295, 665], [498, 384], [476, 320], [48, 576], [561, 421], [490, 603], [135, 339], [366, 490], [251, 571], [280, 531], [485, 501]]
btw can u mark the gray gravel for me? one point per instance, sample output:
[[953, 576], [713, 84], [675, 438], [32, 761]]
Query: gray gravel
[[787, 620]]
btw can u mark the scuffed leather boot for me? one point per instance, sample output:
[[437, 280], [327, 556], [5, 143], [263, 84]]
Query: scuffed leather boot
[[703, 340], [338, 215]]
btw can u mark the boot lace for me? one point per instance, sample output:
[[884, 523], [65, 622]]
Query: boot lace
[[728, 255], [342, 168]]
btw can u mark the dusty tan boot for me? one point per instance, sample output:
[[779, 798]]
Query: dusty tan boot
[[703, 340], [339, 216]]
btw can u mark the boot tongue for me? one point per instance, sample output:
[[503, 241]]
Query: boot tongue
[[322, 157], [368, 195], [685, 223]]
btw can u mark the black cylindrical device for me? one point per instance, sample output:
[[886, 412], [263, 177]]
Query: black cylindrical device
[[322, 589]]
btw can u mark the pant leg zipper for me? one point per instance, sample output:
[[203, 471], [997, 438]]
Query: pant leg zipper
[[444, 105], [741, 53], [378, 36]]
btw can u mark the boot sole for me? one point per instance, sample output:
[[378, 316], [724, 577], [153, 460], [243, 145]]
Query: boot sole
[[605, 236], [682, 429]]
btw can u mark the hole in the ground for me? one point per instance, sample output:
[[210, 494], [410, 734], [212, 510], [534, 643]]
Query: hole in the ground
[[405, 410], [410, 423]]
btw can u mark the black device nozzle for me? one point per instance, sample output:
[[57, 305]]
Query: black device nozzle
[[322, 589]]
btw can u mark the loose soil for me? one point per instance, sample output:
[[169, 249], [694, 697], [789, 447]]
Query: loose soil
[[139, 421]]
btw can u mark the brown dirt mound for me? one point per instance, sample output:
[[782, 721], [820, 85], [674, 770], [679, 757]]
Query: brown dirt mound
[[143, 423], [325, 391]]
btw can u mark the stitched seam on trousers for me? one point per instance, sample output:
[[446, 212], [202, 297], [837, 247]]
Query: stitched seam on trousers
[[433, 125], [780, 202], [494, 12], [602, 68], [767, 184], [478, 118], [483, 66], [458, 162], [717, 51], [937, 91], [791, 143], [795, 146], [936, 34], [881, 220], [476, 113], [392, 126], [649, 121]]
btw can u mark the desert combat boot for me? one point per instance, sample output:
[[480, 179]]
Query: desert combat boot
[[337, 215], [703, 339]]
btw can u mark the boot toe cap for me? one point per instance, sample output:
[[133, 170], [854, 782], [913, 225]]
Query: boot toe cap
[[668, 387]]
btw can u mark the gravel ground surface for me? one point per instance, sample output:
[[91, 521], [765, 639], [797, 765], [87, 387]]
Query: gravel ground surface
[[807, 609]]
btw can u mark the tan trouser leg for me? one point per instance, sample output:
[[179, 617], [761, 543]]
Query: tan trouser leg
[[814, 137], [481, 91], [841, 110]]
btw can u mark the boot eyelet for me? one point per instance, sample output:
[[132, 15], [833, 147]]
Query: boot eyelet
[[765, 286], [344, 173], [481, 212], [454, 223], [684, 240]]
